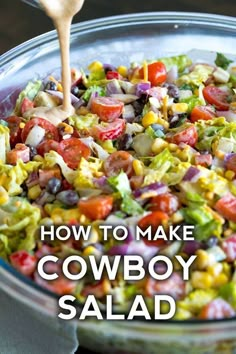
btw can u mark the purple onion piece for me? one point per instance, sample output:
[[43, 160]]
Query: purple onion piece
[[113, 87], [152, 190], [142, 88], [44, 198], [109, 67], [140, 248], [92, 96], [229, 115], [190, 247], [118, 250], [192, 174], [101, 183], [32, 180], [74, 100]]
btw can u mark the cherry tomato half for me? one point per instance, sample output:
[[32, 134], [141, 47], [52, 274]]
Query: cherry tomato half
[[46, 146], [26, 105], [107, 108], [98, 207], [110, 131], [15, 130], [185, 134], [226, 206], [217, 97], [156, 73], [229, 247], [167, 202], [155, 219], [173, 286], [202, 113], [51, 130], [72, 150], [119, 161]]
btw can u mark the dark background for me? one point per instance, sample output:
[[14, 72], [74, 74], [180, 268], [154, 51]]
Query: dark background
[[19, 22]]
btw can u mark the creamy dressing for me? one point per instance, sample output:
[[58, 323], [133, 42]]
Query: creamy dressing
[[61, 13]]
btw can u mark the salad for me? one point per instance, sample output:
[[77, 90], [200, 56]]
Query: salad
[[150, 144]]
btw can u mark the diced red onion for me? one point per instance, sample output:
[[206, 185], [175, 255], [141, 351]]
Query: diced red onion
[[32, 180], [192, 174], [102, 184], [128, 87], [113, 87], [172, 74], [128, 112], [92, 96], [142, 88], [229, 115], [118, 250], [151, 190], [126, 98], [190, 247], [76, 102], [140, 248], [44, 198], [109, 67]]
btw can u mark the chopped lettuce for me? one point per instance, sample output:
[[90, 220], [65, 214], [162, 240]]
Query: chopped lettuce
[[4, 142], [52, 158], [12, 177], [20, 224], [84, 122], [228, 292], [181, 61], [30, 91], [222, 61], [197, 299], [86, 172], [192, 102], [92, 89], [197, 76], [120, 184]]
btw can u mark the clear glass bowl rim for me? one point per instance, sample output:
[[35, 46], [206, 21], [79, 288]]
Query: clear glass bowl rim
[[184, 18]]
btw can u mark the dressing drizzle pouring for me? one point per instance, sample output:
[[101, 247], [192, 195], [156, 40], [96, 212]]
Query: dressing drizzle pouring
[[61, 12]]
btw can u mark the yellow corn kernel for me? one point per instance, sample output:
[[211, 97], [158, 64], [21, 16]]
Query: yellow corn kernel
[[59, 87], [34, 192], [138, 167], [183, 155], [228, 232], [203, 259], [178, 108], [229, 175], [177, 217], [226, 269], [95, 66], [82, 111], [122, 70], [219, 280], [145, 71], [220, 154], [89, 250], [173, 147], [165, 107], [3, 196], [215, 269], [22, 125], [209, 196], [158, 145], [149, 118], [201, 280], [66, 127]]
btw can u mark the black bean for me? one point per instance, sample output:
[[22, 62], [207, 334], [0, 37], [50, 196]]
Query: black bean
[[51, 85], [212, 241], [75, 90], [173, 90], [68, 197], [53, 185], [125, 142]]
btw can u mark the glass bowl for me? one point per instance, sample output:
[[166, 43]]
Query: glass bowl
[[119, 40]]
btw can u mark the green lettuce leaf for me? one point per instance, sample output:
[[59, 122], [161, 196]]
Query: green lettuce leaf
[[84, 122], [197, 76], [181, 61], [100, 91], [52, 158], [4, 142], [30, 91], [222, 61]]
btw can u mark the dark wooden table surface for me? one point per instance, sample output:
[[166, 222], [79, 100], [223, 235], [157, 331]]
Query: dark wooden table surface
[[19, 22]]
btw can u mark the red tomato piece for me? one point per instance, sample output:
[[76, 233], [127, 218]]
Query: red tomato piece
[[217, 97], [46, 146], [119, 161], [21, 151], [24, 262], [168, 203], [173, 286], [110, 131], [96, 207], [60, 286], [72, 150], [216, 309], [203, 160], [51, 130], [15, 129], [226, 206], [26, 105], [107, 108], [231, 162], [185, 134], [111, 75], [202, 113], [154, 219], [229, 247], [156, 73]]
